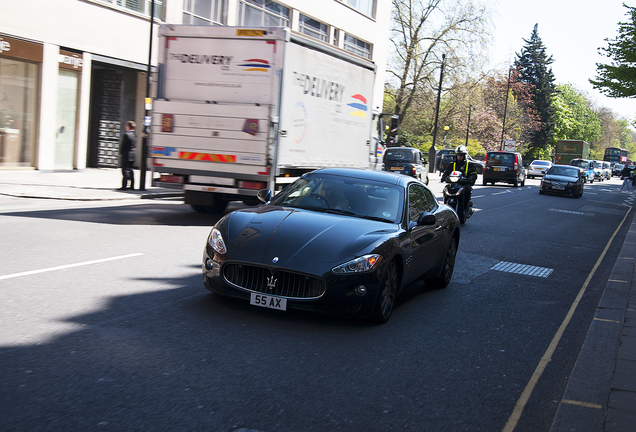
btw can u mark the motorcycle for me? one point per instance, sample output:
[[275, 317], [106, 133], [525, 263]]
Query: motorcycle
[[454, 195]]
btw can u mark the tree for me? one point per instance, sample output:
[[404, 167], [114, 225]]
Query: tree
[[533, 67], [575, 118], [422, 31], [618, 79]]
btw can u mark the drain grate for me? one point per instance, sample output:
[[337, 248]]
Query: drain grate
[[524, 269]]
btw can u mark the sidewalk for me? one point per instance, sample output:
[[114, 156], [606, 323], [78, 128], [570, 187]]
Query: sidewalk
[[91, 184], [601, 391]]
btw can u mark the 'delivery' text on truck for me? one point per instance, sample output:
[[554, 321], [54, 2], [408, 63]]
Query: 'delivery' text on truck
[[242, 109]]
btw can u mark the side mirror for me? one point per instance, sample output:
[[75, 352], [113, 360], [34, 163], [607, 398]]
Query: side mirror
[[427, 219], [264, 195]]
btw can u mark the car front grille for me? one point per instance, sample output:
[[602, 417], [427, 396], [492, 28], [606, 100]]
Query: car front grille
[[279, 282]]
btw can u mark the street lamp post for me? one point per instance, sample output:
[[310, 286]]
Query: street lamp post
[[432, 152], [503, 126], [144, 139], [446, 129]]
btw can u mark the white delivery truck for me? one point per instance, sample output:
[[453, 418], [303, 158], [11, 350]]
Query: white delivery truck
[[241, 109]]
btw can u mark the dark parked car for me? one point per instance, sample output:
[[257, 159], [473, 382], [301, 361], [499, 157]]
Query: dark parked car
[[447, 156], [406, 160], [504, 167], [296, 251], [617, 169], [444, 156], [563, 179]]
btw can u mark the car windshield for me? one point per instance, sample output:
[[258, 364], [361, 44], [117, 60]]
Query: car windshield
[[598, 165], [399, 155], [564, 171], [543, 163], [344, 195]]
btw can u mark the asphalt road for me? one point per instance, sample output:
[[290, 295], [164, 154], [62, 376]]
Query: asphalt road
[[105, 325]]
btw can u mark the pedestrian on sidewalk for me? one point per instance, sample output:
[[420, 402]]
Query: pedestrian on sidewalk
[[127, 153], [626, 174]]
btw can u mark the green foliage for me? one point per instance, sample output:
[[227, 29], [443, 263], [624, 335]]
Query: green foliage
[[408, 139], [575, 119], [618, 79]]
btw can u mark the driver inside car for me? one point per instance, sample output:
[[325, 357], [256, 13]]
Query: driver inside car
[[333, 196]]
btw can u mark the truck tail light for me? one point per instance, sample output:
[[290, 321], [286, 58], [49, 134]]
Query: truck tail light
[[171, 179], [251, 185]]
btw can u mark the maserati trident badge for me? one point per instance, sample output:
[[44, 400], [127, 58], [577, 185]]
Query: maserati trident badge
[[271, 283]]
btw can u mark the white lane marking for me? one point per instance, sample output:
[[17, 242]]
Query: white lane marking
[[522, 269], [32, 272], [504, 192]]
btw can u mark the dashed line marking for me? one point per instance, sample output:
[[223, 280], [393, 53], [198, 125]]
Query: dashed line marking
[[523, 269]]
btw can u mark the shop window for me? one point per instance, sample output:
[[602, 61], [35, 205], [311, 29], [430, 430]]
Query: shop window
[[204, 12], [357, 46], [18, 107], [263, 13], [313, 28]]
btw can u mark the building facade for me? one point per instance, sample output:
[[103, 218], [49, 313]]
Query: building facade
[[72, 72]]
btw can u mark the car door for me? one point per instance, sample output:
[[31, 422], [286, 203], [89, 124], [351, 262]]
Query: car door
[[424, 240]]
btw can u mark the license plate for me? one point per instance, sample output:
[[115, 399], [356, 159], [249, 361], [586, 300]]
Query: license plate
[[267, 301], [500, 168], [396, 168], [558, 187]]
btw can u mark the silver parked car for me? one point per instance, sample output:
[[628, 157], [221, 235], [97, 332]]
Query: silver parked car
[[538, 168]]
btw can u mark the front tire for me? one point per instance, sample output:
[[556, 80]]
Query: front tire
[[387, 295]]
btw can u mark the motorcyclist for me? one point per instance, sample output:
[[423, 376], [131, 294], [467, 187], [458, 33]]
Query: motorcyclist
[[469, 169]]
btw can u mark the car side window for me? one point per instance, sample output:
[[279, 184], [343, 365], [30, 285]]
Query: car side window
[[420, 200]]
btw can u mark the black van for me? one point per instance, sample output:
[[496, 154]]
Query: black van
[[406, 160], [504, 167]]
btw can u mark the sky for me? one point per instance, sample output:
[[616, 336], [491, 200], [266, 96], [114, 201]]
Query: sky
[[571, 31]]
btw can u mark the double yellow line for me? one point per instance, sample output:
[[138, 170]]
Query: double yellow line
[[547, 356]]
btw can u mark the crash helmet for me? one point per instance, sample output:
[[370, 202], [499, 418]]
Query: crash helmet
[[461, 150]]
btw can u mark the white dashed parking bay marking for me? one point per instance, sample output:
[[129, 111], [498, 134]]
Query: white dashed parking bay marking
[[522, 269]]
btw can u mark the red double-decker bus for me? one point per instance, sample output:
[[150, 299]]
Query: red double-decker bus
[[615, 154]]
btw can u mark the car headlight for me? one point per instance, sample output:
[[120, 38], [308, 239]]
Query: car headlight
[[544, 181], [216, 241], [359, 265]]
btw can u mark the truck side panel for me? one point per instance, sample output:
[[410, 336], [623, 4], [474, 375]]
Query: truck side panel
[[326, 113]]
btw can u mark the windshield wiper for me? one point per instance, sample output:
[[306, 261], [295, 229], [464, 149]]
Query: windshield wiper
[[376, 218], [339, 211]]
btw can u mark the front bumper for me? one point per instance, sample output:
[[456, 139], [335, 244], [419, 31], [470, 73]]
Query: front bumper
[[340, 296]]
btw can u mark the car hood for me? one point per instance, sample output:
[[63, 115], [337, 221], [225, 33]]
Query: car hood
[[560, 178], [293, 236]]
